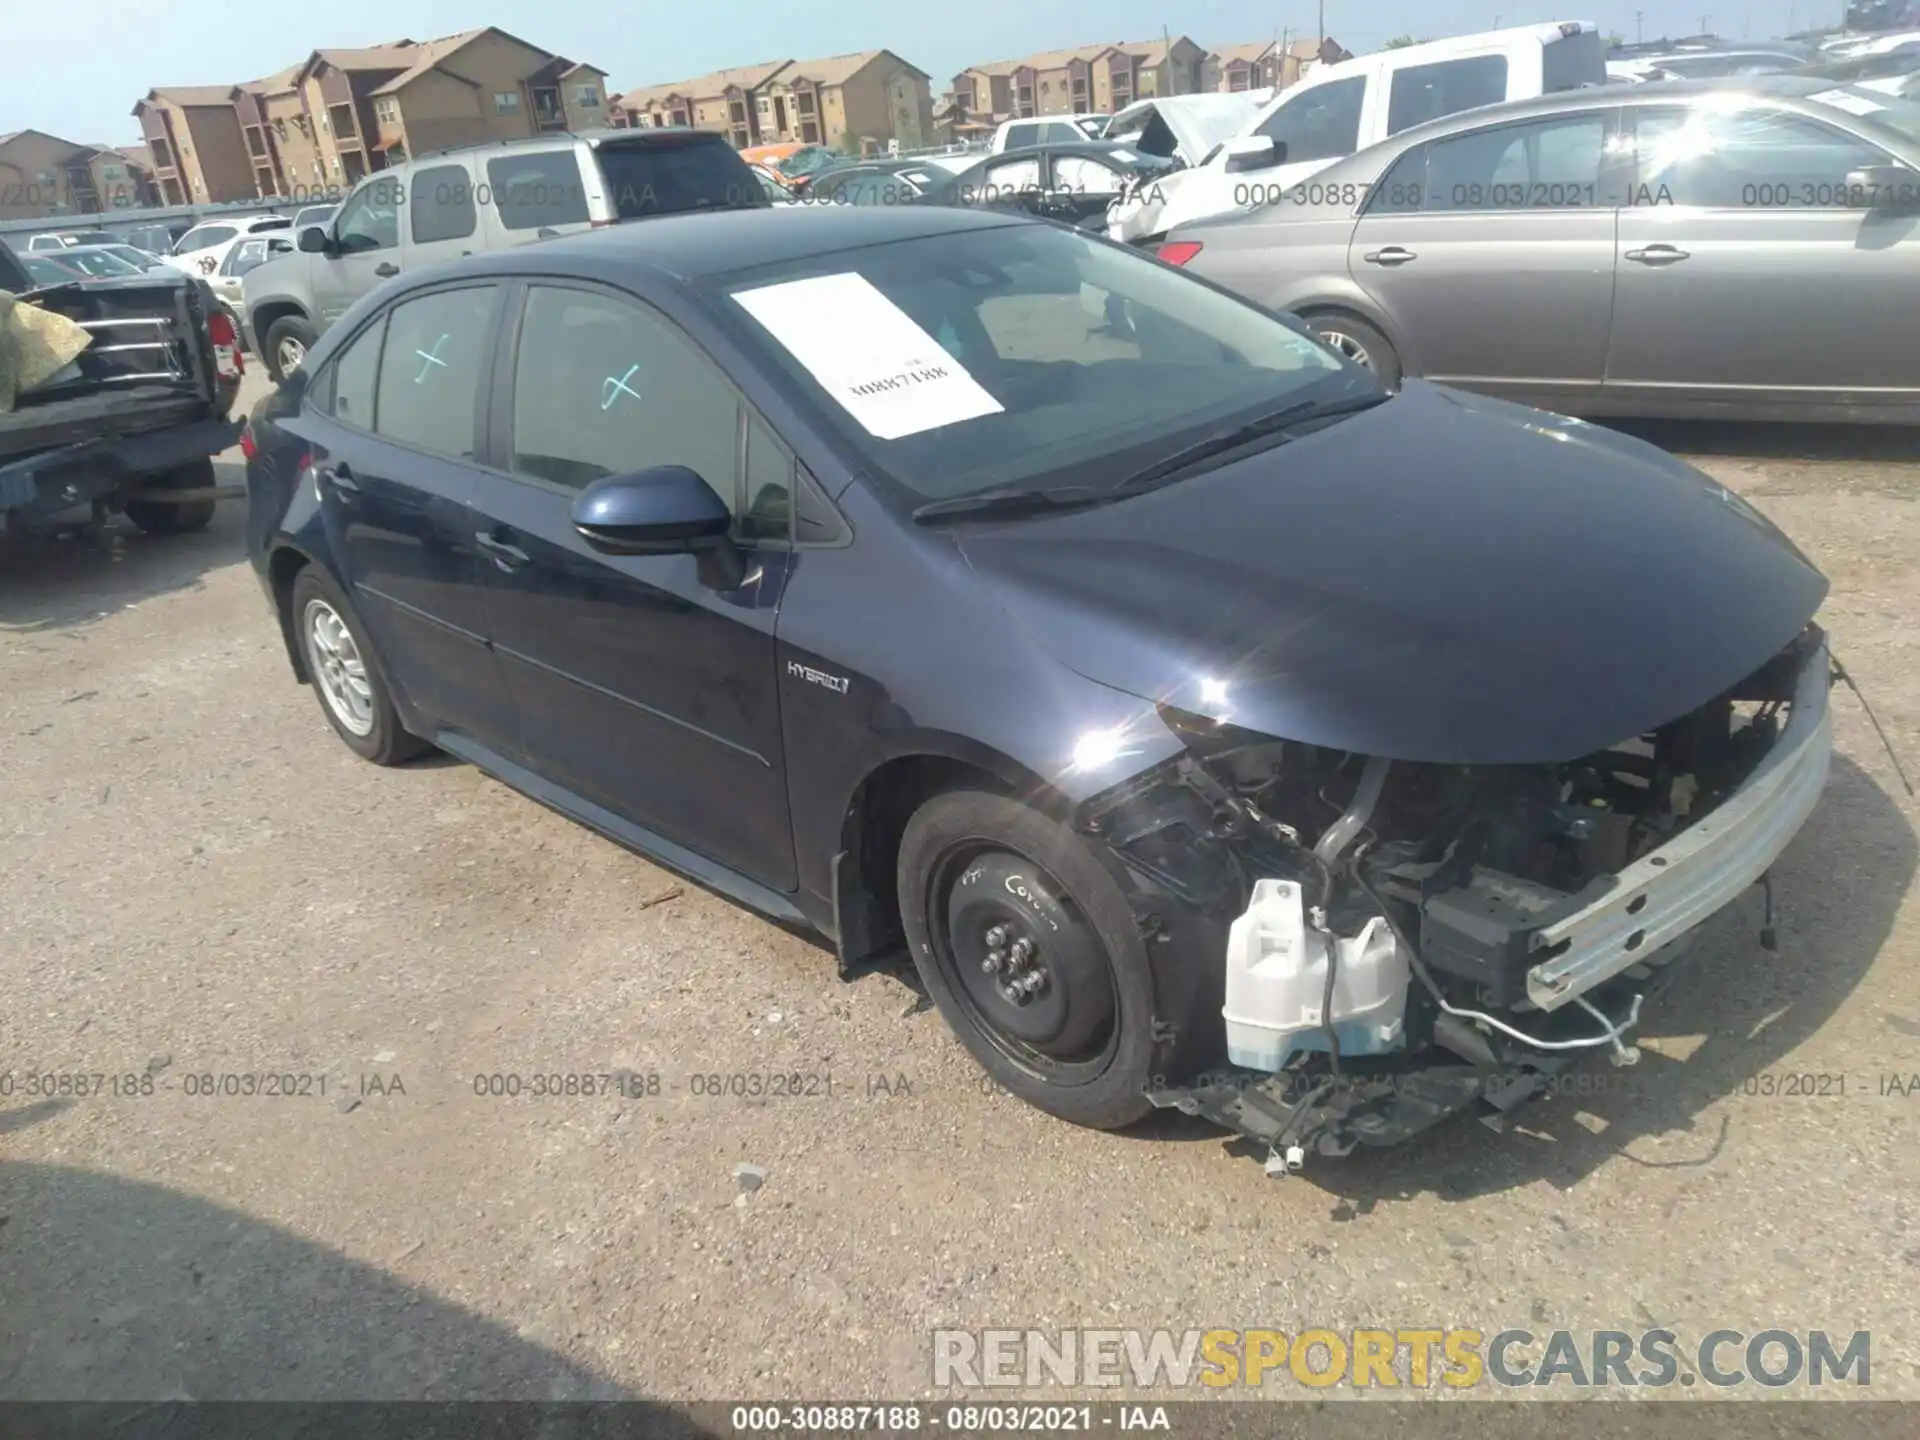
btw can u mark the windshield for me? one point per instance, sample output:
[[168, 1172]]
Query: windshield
[[99, 263], [810, 161], [664, 177], [1020, 355], [44, 272]]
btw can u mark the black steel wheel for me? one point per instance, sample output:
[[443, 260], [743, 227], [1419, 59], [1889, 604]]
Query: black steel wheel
[[1030, 951]]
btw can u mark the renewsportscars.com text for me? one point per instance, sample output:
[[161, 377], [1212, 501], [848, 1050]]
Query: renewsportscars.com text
[[1361, 1359]]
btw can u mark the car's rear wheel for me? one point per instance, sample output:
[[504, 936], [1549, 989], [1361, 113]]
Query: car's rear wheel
[[1029, 948], [346, 675], [1360, 343], [159, 517], [288, 340]]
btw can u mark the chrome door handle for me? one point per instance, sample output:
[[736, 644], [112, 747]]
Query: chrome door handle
[[386, 268], [1657, 255], [1389, 255], [340, 478], [507, 557]]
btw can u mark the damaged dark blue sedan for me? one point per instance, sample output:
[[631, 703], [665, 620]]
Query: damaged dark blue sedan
[[1214, 729]]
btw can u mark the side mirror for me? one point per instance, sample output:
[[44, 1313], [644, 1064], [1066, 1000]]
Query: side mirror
[[313, 240], [1254, 152], [1886, 187], [665, 510]]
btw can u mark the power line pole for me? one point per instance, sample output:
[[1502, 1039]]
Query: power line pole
[[1638, 30]]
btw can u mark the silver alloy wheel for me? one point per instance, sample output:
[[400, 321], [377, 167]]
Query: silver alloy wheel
[[1348, 346], [290, 352], [338, 668]]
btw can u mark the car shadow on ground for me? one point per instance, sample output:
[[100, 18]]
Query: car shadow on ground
[[1838, 889], [53, 582], [1777, 440], [131, 1293]]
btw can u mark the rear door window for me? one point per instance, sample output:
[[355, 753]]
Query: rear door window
[[441, 206], [1321, 123], [1747, 160], [1555, 164], [437, 348], [1019, 135], [1427, 92], [667, 177], [539, 191]]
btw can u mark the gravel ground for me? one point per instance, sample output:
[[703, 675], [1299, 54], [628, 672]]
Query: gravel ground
[[201, 881]]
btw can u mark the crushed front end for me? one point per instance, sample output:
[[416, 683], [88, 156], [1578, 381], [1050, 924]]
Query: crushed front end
[[1405, 940]]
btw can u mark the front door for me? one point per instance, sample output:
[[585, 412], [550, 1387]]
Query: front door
[[366, 248], [1747, 265], [393, 431], [645, 685], [1491, 256]]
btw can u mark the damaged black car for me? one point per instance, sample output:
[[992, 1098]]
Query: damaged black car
[[1213, 729]]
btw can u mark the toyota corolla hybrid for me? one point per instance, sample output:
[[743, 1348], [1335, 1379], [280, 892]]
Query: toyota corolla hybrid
[[1214, 728]]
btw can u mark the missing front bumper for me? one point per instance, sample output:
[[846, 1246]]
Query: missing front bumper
[[1669, 891]]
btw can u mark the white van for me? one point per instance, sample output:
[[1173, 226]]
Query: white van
[[1345, 107]]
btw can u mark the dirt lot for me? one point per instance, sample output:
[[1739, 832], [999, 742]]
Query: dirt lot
[[201, 881]]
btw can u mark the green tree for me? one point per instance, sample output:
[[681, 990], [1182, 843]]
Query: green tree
[[1399, 42]]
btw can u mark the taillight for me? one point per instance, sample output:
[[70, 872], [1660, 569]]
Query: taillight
[[1178, 252], [226, 345], [249, 446]]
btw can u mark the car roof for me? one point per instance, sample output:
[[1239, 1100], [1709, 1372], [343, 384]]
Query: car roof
[[700, 246]]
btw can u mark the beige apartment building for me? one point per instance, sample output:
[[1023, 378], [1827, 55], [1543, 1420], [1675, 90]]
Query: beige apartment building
[[1262, 64], [321, 125], [1103, 78], [855, 102], [42, 174], [1088, 79], [193, 134]]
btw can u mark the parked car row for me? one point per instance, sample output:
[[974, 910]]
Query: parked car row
[[1214, 726], [1740, 249]]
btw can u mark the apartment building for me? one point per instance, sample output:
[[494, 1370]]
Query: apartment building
[[1263, 64], [42, 174], [193, 134], [856, 102], [323, 124], [1098, 79]]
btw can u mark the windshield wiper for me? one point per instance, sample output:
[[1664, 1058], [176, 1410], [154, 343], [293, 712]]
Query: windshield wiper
[[1285, 418], [1014, 502]]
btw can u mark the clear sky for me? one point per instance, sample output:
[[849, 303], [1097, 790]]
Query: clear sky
[[124, 47]]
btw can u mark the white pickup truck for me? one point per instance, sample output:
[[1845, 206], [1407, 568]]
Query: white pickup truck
[[1343, 108]]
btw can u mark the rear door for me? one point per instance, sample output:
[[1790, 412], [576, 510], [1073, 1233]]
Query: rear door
[[443, 216], [366, 246], [393, 430], [1749, 270], [1491, 254], [643, 687]]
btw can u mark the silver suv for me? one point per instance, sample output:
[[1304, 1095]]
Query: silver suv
[[451, 203]]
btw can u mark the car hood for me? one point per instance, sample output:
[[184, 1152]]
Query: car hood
[[1442, 578]]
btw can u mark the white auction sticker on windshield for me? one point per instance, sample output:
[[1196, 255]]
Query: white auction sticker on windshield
[[889, 374], [1846, 100]]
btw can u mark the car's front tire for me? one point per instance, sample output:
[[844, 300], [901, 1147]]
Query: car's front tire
[[287, 341], [1030, 950], [157, 517], [1359, 342], [346, 674]]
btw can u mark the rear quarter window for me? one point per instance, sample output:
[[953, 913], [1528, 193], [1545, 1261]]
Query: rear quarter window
[[1573, 61], [542, 190], [1427, 92], [668, 178]]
